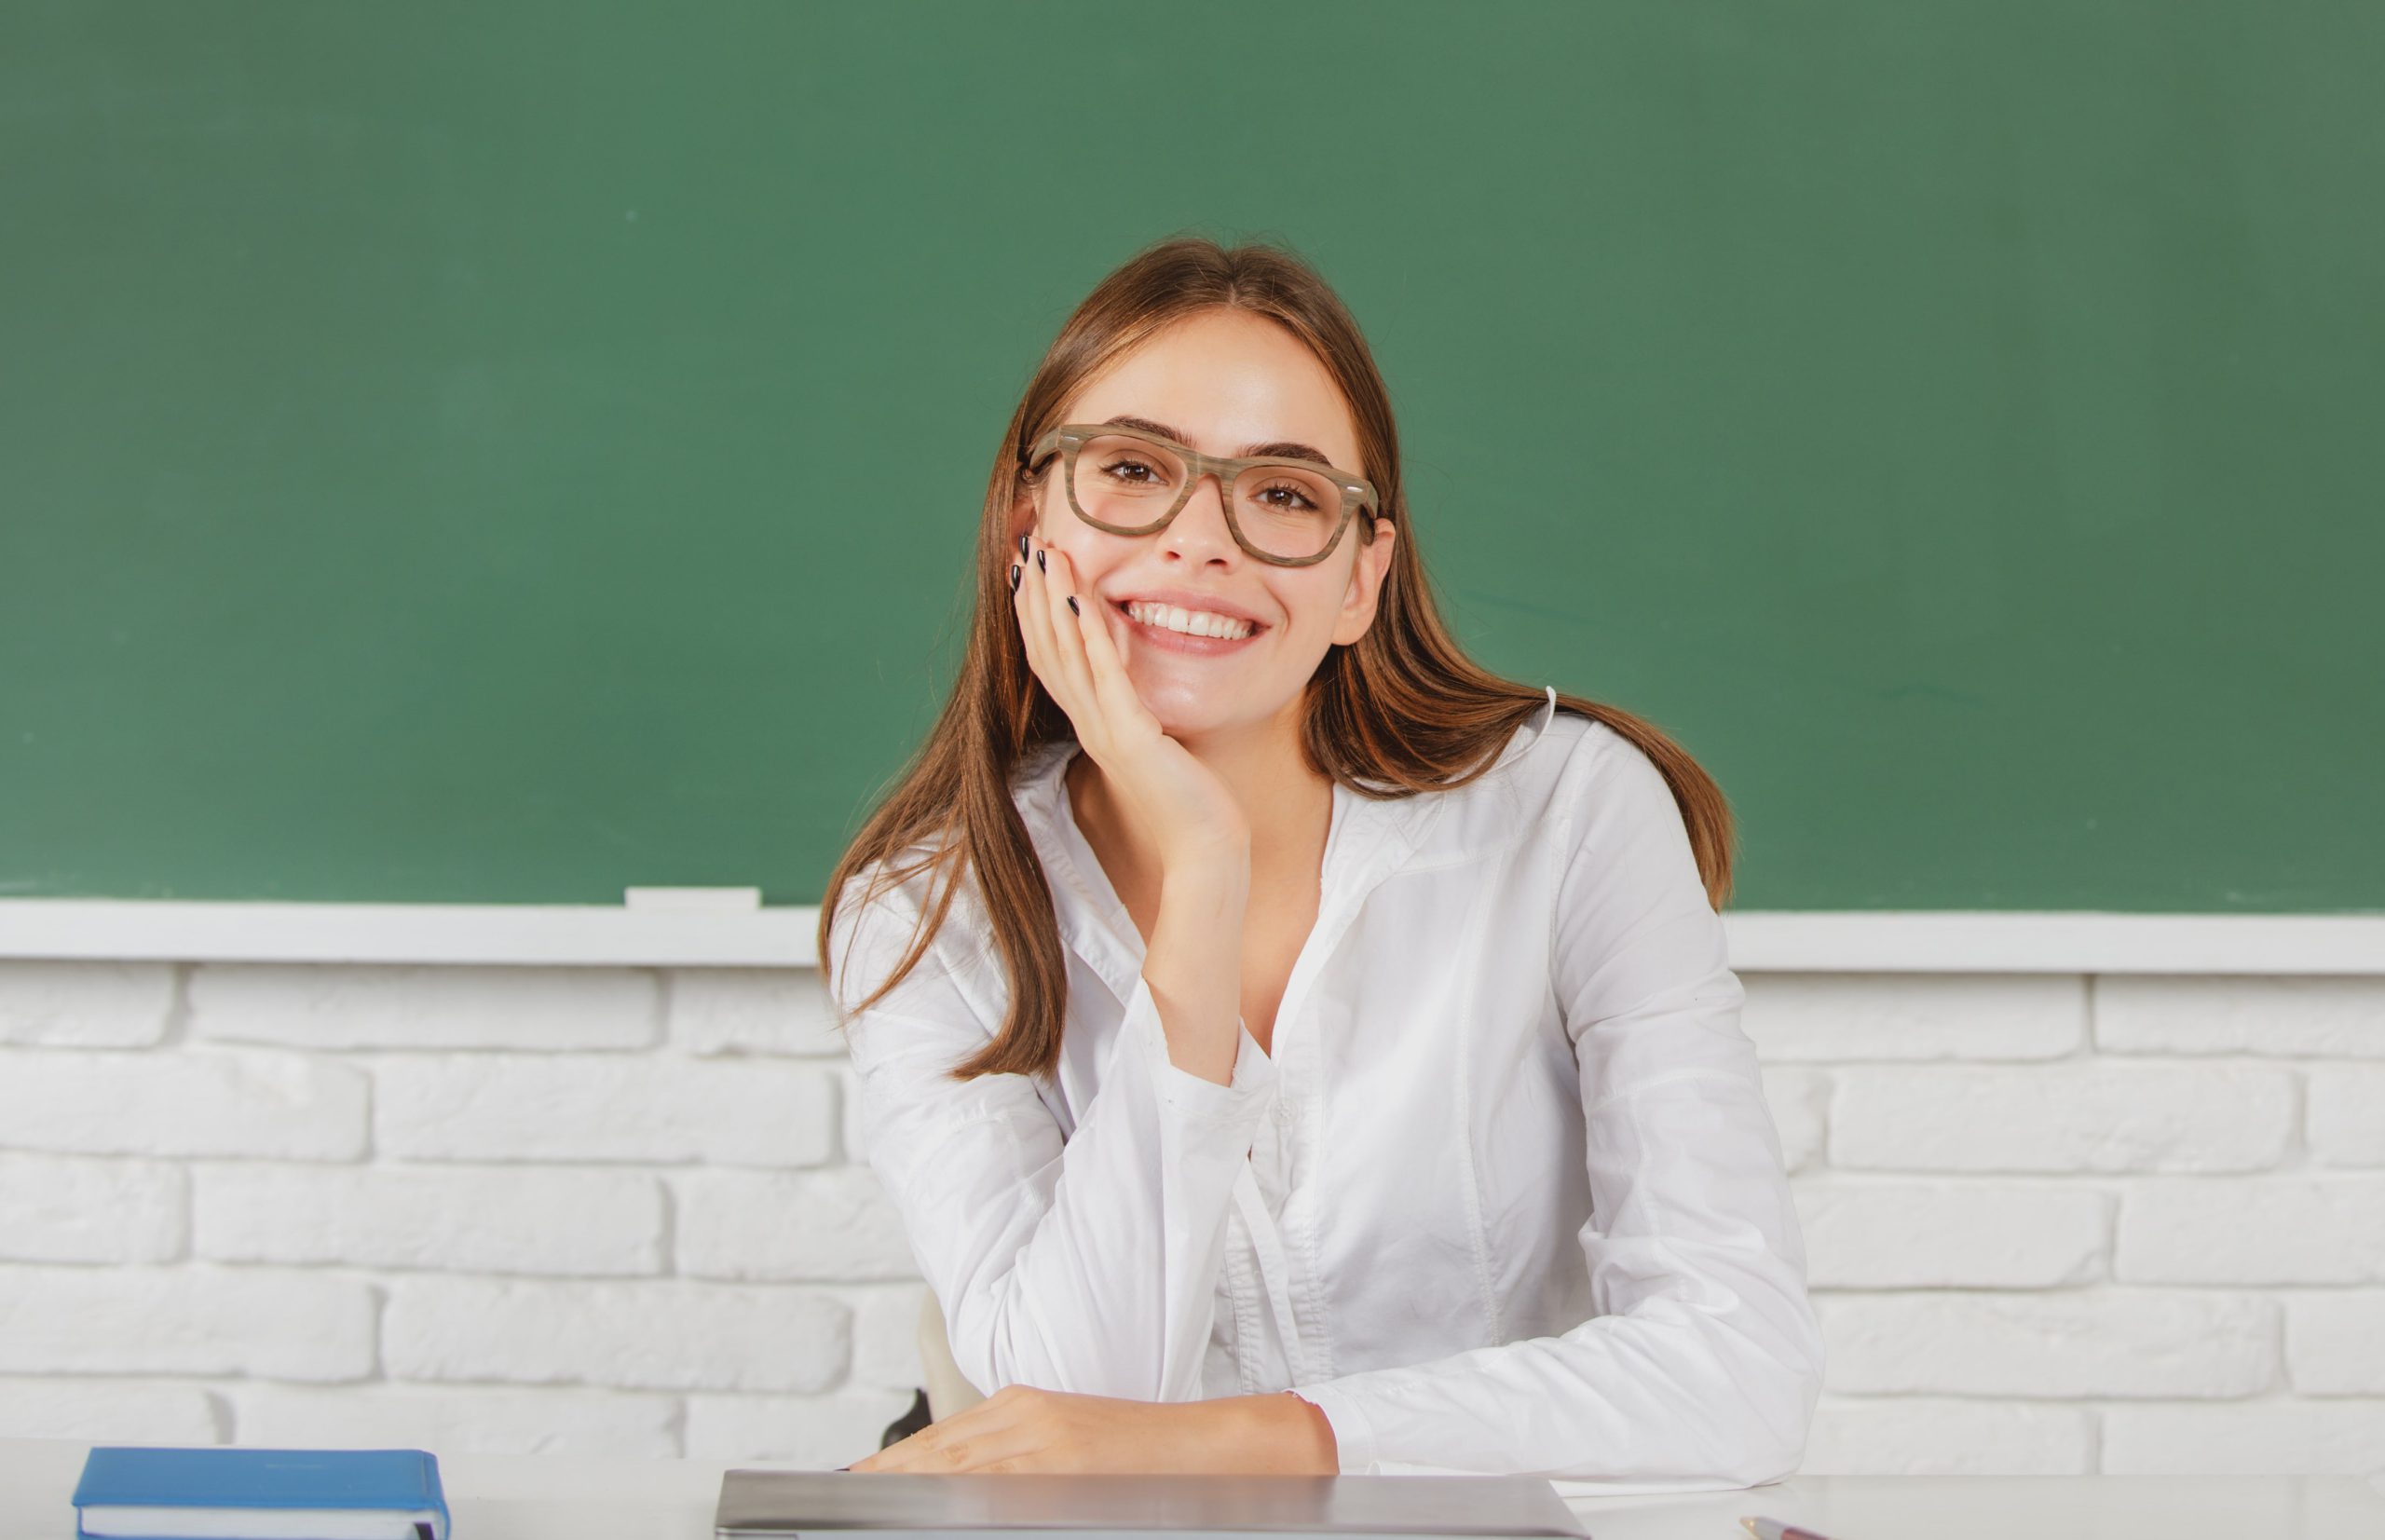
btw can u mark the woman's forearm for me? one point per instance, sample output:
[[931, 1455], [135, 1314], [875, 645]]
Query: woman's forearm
[[1194, 964], [1271, 1435]]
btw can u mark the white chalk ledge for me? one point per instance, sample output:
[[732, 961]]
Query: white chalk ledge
[[564, 936]]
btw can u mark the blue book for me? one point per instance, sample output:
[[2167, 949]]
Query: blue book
[[222, 1493]]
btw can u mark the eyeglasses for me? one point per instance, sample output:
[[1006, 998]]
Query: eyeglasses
[[1287, 511]]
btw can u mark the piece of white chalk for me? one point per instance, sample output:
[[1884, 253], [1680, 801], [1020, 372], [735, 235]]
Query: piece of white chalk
[[696, 900]]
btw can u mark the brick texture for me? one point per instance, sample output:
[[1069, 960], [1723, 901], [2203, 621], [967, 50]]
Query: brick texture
[[2215, 1118], [83, 1209], [85, 1004], [557, 1107], [279, 1325], [663, 1335], [2053, 1224], [472, 1219], [215, 1102], [553, 1010]]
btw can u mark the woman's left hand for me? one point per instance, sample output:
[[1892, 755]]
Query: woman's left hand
[[1021, 1428]]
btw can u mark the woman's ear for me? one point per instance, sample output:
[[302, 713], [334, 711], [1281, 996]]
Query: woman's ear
[[1366, 585]]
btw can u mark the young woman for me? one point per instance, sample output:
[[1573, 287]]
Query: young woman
[[1290, 1048]]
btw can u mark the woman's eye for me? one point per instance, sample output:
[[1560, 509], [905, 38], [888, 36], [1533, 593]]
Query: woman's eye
[[1300, 498], [1129, 464]]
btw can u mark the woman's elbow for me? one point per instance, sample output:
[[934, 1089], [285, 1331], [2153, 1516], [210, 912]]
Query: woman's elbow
[[1778, 1400], [1003, 1344]]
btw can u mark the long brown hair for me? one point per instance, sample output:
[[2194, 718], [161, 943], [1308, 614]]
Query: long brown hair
[[1401, 705]]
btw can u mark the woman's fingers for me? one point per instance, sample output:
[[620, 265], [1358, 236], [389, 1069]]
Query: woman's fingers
[[974, 1439], [1035, 629], [1112, 685], [1069, 621], [1074, 653], [1054, 636]]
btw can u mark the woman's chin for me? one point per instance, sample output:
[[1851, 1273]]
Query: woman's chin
[[1180, 713], [1191, 707]]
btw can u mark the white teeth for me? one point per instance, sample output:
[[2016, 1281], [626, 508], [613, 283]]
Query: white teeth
[[1192, 622]]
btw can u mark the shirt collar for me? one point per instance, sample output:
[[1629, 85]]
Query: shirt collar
[[1370, 840]]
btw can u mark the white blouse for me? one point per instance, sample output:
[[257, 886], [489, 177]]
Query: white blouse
[[1504, 1197]]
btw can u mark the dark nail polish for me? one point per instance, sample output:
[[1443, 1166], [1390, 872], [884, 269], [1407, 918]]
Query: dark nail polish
[[1072, 605], [1040, 564], [1014, 570], [1022, 548]]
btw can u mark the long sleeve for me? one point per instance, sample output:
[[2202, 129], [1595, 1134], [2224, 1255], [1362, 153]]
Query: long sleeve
[[1089, 1265], [1702, 1365]]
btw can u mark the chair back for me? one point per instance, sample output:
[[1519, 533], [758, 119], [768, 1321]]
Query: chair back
[[948, 1391]]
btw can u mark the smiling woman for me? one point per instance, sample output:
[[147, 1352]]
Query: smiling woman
[[1249, 995]]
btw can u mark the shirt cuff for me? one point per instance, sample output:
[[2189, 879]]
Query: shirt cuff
[[1354, 1437], [1244, 1098]]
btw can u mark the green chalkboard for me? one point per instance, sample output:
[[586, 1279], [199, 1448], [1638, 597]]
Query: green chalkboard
[[443, 447]]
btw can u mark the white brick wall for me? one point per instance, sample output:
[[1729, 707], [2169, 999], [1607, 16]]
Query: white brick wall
[[2055, 1223]]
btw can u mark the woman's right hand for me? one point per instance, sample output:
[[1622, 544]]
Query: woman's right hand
[[1185, 811]]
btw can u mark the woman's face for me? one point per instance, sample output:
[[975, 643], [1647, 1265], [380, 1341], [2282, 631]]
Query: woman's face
[[1222, 380]]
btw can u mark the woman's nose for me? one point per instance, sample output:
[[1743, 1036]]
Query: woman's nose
[[1206, 504]]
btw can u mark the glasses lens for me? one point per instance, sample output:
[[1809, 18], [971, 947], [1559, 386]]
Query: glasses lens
[[1282, 510], [1285, 510], [1126, 481]]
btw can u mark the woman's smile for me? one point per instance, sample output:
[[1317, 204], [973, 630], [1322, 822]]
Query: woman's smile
[[1166, 640]]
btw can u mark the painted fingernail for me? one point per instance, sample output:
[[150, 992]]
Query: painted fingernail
[[1041, 565], [1014, 570], [1072, 605], [1022, 548]]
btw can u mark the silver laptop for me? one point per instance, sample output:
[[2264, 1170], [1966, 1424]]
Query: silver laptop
[[776, 1503]]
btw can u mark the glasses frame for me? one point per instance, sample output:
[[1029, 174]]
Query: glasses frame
[[1356, 491]]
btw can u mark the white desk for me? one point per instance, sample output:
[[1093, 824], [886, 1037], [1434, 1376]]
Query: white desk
[[566, 1497]]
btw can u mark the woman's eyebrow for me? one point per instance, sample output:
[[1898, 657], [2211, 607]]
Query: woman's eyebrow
[[1280, 449]]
